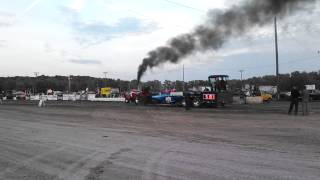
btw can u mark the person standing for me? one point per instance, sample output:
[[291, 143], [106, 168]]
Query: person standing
[[1, 97], [305, 101], [188, 101], [294, 100]]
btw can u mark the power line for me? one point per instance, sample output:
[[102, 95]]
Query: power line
[[185, 6], [31, 6]]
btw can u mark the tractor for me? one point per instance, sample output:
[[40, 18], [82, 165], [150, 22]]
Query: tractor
[[217, 95]]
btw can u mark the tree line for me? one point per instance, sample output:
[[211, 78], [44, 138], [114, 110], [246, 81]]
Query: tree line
[[59, 83], [286, 81], [77, 83]]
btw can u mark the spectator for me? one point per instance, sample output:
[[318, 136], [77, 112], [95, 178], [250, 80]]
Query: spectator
[[188, 101], [294, 100], [1, 97], [305, 101]]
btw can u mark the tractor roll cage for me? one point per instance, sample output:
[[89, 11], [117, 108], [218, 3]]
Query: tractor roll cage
[[218, 83]]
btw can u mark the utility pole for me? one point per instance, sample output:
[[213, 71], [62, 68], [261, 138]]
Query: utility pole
[[35, 84], [183, 78], [183, 73], [129, 86], [69, 84], [277, 55], [105, 78], [241, 71]]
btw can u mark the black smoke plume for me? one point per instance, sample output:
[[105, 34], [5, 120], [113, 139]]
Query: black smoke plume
[[220, 26]]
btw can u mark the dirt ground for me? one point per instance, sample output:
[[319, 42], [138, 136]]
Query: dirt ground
[[114, 141]]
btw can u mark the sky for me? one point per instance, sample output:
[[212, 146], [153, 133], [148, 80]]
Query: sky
[[82, 37]]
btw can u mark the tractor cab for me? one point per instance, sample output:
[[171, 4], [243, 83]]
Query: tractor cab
[[218, 95], [219, 83]]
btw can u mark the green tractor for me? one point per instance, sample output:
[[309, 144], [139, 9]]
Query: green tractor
[[217, 95]]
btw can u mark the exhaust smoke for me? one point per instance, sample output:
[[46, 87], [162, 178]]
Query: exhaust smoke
[[219, 27]]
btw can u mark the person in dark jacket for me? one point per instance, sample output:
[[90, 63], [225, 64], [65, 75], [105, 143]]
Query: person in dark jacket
[[188, 101], [295, 94]]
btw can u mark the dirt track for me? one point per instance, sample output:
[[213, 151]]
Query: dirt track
[[117, 141]]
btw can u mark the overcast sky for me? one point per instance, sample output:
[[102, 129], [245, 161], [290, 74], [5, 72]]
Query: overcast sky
[[82, 37]]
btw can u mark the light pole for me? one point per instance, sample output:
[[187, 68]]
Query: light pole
[[277, 55], [241, 71], [69, 84], [35, 83], [129, 85], [105, 78], [183, 84]]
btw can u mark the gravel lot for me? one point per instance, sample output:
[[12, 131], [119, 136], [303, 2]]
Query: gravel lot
[[113, 141]]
